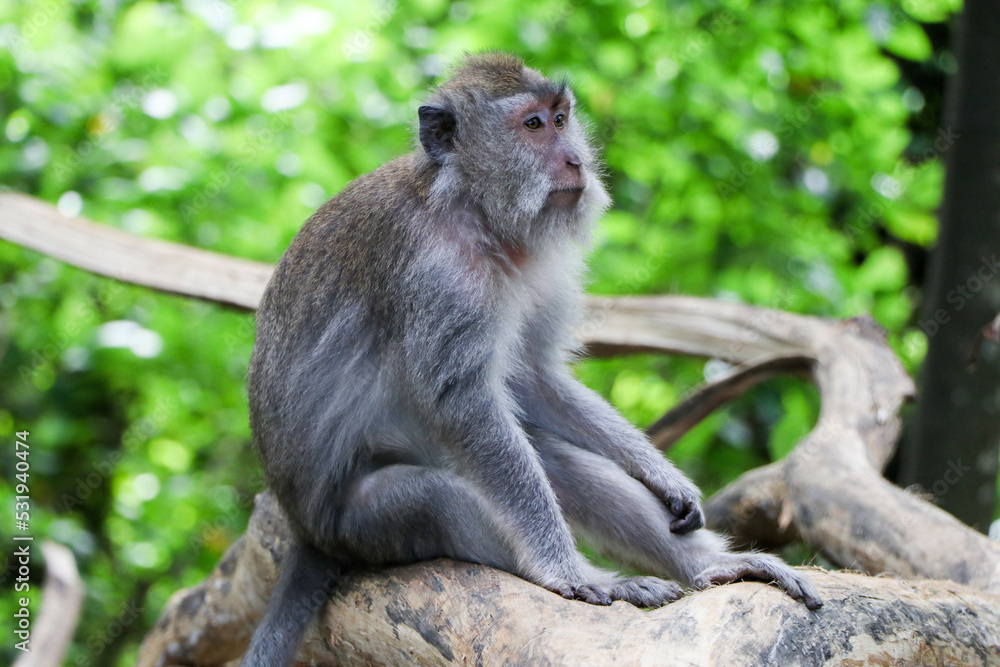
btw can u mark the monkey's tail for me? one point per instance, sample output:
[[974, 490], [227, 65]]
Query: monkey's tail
[[304, 585]]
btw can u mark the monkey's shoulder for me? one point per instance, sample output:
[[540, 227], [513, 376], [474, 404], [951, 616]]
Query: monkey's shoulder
[[356, 244], [372, 211]]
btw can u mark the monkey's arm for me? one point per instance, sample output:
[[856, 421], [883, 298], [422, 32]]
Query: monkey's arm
[[555, 401], [453, 363]]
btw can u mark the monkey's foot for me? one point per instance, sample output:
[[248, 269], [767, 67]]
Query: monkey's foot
[[645, 591], [761, 567], [589, 593]]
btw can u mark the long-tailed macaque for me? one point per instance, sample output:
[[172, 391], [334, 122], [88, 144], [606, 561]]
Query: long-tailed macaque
[[410, 393]]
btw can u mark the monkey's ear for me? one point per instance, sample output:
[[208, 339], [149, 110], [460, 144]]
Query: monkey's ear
[[437, 131]]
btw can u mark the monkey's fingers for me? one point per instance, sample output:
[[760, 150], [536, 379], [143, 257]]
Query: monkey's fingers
[[689, 516]]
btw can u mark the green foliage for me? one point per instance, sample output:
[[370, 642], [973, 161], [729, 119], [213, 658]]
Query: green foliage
[[768, 152]]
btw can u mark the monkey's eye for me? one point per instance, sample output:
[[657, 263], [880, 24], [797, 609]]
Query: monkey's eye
[[533, 123], [559, 120]]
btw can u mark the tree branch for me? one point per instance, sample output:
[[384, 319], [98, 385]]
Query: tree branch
[[444, 613], [61, 603], [100, 249]]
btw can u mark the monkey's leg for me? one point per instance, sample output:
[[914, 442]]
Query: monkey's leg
[[406, 513], [624, 519]]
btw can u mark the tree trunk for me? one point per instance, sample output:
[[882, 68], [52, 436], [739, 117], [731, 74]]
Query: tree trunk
[[953, 450]]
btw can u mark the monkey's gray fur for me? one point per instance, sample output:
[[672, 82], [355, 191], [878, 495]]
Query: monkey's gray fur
[[410, 394]]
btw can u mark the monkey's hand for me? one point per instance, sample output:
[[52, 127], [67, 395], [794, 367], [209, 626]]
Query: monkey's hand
[[680, 495]]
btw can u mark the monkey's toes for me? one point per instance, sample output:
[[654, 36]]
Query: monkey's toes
[[766, 569], [592, 594], [565, 590], [800, 588], [786, 578], [812, 602], [646, 591], [723, 574]]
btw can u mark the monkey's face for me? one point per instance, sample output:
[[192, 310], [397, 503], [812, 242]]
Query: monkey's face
[[567, 191], [528, 163], [542, 125], [507, 139]]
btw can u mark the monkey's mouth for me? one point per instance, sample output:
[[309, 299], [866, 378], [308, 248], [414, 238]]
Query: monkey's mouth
[[569, 195]]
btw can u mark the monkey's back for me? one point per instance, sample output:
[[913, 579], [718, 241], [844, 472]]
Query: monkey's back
[[327, 318]]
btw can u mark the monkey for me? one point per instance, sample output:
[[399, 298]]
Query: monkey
[[410, 389]]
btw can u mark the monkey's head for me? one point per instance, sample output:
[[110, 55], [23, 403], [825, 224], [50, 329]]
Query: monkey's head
[[506, 139]]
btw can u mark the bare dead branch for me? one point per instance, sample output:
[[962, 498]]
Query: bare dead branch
[[684, 416], [61, 602], [168, 267]]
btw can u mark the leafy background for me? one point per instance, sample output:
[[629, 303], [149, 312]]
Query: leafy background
[[777, 153]]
